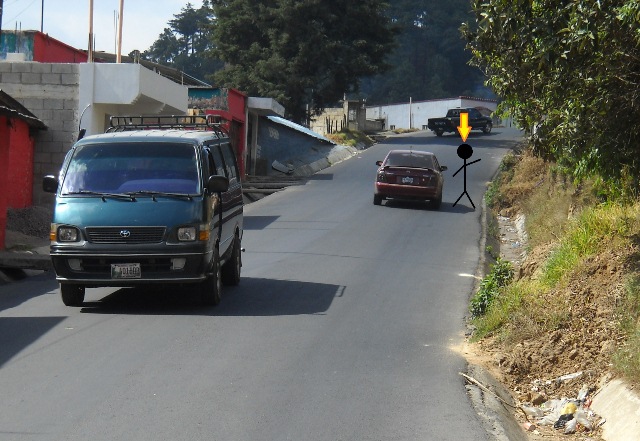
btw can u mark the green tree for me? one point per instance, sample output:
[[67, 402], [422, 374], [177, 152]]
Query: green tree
[[300, 52], [569, 71], [430, 60], [183, 44]]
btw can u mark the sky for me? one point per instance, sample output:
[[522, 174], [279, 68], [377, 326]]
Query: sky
[[68, 20]]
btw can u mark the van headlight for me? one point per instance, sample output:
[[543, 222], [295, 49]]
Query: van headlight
[[68, 234], [187, 234]]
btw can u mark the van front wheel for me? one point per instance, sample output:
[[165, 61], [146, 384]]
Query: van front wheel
[[72, 295], [211, 287]]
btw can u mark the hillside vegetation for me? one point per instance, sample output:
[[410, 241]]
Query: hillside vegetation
[[573, 304]]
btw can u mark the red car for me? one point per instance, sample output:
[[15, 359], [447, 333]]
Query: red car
[[409, 174]]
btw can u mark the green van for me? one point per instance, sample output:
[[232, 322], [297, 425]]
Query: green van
[[152, 201]]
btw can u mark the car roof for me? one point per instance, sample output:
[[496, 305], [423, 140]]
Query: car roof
[[154, 135], [404, 152]]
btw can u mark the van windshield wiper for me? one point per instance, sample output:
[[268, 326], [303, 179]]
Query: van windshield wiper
[[153, 194], [101, 194]]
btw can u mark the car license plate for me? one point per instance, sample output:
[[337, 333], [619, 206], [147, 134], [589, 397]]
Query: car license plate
[[125, 271], [407, 180]]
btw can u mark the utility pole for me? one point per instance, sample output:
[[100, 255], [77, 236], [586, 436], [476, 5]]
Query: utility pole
[[119, 55], [41, 17], [90, 52], [1, 5]]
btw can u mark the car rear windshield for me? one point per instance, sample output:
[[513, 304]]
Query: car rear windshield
[[132, 167], [409, 160]]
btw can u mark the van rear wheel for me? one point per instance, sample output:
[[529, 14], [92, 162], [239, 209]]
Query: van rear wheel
[[72, 295], [231, 269]]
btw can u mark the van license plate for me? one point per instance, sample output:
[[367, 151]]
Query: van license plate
[[125, 271]]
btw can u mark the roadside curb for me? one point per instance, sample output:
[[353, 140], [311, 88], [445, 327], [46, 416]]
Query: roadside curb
[[497, 420], [337, 154], [38, 259], [620, 406]]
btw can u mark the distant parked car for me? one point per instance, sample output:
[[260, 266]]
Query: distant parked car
[[450, 123], [409, 174]]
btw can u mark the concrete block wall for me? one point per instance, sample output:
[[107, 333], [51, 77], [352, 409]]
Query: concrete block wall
[[50, 91], [332, 117]]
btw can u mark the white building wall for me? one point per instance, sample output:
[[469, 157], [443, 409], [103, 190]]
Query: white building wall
[[58, 93], [414, 115], [126, 89]]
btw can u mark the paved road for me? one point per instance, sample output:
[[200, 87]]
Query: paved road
[[344, 326]]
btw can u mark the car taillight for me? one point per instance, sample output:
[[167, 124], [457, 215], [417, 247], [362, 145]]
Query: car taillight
[[426, 179], [382, 177]]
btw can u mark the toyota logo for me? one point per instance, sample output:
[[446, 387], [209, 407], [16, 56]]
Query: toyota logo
[[125, 233]]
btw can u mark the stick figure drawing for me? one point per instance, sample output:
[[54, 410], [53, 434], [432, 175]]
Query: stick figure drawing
[[465, 152]]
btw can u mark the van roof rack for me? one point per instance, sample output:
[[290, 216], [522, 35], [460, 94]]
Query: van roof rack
[[167, 122]]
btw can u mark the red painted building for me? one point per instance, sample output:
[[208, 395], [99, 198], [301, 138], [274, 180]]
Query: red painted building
[[37, 46], [231, 106], [17, 126]]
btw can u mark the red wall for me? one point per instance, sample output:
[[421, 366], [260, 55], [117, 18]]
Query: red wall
[[20, 174], [236, 118], [4, 172], [16, 169], [50, 50]]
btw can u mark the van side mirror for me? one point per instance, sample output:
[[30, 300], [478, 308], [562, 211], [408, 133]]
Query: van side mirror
[[217, 184], [50, 184], [443, 168]]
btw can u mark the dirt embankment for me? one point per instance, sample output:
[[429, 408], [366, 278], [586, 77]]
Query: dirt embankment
[[572, 359]]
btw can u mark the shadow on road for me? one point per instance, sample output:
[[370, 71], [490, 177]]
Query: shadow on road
[[258, 222], [446, 207], [16, 333], [253, 297], [14, 293]]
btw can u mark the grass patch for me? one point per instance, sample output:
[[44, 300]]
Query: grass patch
[[351, 138], [498, 313], [594, 229], [401, 131], [626, 361], [500, 275]]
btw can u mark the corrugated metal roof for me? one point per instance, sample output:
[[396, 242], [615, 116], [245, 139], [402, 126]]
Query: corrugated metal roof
[[298, 127]]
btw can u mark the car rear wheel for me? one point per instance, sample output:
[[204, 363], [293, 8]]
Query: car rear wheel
[[435, 203], [377, 199], [211, 287], [439, 132], [231, 269], [487, 128], [72, 295]]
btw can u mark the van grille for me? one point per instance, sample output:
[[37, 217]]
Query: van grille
[[125, 234]]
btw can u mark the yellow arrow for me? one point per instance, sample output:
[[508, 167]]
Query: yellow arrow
[[464, 129]]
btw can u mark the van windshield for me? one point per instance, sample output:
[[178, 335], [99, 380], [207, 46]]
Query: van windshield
[[132, 167]]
